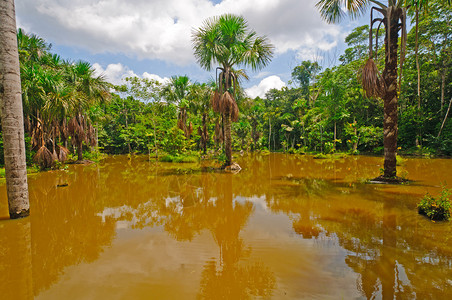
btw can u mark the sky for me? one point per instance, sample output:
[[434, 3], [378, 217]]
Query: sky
[[152, 38]]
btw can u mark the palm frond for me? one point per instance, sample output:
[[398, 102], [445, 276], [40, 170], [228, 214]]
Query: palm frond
[[228, 105], [373, 83], [333, 11], [44, 157]]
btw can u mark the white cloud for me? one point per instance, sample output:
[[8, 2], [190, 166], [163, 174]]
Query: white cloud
[[155, 77], [115, 73], [161, 29], [268, 83]]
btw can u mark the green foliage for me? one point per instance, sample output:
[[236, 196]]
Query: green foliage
[[221, 158], [179, 158], [174, 142], [436, 209], [95, 156]]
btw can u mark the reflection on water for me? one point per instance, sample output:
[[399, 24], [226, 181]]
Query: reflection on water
[[286, 226]]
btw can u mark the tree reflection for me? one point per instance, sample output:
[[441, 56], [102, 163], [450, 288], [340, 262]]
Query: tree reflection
[[62, 231], [185, 205], [229, 278], [392, 258]]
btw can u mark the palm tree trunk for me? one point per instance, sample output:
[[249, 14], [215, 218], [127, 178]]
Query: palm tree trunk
[[227, 138], [12, 114], [80, 151], [390, 97]]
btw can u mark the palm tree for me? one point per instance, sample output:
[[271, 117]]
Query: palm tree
[[200, 102], [46, 98], [177, 90], [226, 40], [12, 115], [393, 18], [88, 90]]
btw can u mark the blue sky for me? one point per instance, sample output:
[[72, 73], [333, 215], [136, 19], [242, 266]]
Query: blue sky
[[152, 38]]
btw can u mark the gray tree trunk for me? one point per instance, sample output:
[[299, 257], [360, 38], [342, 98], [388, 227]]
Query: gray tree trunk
[[12, 114]]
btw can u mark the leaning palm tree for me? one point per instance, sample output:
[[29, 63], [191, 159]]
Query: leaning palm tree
[[227, 41], [393, 17], [12, 116]]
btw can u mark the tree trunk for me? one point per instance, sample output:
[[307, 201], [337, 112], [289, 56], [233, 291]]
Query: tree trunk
[[204, 132], [269, 134], [418, 69], [390, 96], [80, 151], [127, 126], [443, 87], [227, 138], [12, 114], [445, 118], [335, 137]]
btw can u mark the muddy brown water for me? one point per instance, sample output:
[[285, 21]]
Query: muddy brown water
[[286, 226]]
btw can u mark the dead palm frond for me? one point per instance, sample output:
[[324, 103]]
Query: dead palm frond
[[217, 132], [44, 158], [76, 128], [91, 136], [229, 106], [62, 153], [372, 81], [215, 101], [190, 129]]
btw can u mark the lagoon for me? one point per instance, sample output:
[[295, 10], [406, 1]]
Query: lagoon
[[286, 226]]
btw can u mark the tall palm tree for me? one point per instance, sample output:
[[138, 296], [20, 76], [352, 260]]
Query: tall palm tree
[[393, 18], [12, 115], [177, 90], [88, 90], [227, 41]]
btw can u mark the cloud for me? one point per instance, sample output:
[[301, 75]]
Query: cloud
[[115, 73], [268, 83], [155, 77], [161, 29]]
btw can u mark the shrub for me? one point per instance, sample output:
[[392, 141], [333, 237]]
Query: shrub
[[437, 209]]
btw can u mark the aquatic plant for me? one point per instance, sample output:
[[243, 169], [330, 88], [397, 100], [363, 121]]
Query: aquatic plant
[[436, 209]]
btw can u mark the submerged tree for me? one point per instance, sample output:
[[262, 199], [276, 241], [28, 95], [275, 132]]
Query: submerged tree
[[227, 41], [12, 115], [376, 85]]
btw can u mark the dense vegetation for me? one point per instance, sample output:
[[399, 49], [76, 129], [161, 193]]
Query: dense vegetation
[[322, 110]]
